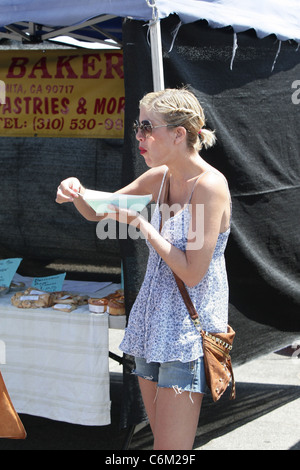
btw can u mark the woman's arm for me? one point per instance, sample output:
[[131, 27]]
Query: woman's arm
[[71, 189]]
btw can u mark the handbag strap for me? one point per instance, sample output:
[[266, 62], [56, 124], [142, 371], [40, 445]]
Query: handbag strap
[[187, 300], [164, 199]]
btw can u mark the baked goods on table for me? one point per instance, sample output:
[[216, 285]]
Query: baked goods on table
[[116, 306], [35, 298], [113, 304], [64, 301], [97, 305], [32, 298], [67, 302], [116, 294], [65, 307], [68, 298]]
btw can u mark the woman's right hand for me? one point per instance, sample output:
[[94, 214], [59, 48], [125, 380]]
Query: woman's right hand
[[68, 190]]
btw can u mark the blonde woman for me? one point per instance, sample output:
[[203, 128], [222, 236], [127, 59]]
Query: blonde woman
[[190, 241]]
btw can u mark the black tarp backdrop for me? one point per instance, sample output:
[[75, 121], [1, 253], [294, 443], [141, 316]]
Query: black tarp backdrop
[[257, 126], [32, 225]]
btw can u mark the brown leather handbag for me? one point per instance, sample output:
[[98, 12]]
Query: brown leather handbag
[[11, 427], [216, 349]]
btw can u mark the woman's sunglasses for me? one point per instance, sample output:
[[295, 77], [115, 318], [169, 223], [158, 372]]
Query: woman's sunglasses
[[146, 127]]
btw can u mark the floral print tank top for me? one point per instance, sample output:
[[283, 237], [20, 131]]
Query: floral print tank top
[[159, 327]]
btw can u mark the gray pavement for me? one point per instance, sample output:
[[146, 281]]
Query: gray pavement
[[264, 416], [272, 421]]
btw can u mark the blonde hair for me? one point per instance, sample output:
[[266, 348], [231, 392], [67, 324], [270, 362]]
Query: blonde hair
[[180, 107]]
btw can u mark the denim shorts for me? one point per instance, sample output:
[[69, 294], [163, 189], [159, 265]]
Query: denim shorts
[[181, 376]]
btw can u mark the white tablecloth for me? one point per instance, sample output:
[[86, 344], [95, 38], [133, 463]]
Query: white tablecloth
[[56, 363]]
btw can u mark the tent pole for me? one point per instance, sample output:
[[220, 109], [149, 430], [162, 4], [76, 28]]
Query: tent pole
[[156, 56]]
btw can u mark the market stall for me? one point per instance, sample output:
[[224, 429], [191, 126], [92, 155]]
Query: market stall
[[55, 362], [244, 66]]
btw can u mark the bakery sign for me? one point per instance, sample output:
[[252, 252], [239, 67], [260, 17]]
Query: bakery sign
[[62, 93]]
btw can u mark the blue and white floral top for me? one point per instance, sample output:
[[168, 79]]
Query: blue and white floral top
[[159, 327]]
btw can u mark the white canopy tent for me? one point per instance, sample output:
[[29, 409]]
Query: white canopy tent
[[96, 21], [265, 16]]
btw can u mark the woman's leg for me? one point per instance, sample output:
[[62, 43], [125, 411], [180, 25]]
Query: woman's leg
[[149, 391], [176, 419], [173, 412], [173, 416]]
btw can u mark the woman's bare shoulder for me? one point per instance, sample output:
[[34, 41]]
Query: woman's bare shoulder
[[213, 182], [147, 183], [212, 191]]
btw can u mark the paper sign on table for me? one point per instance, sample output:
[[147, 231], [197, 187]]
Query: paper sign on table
[[8, 268], [49, 283]]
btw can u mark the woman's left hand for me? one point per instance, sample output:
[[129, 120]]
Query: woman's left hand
[[125, 216]]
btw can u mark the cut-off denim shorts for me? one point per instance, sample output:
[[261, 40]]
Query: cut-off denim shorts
[[181, 376]]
